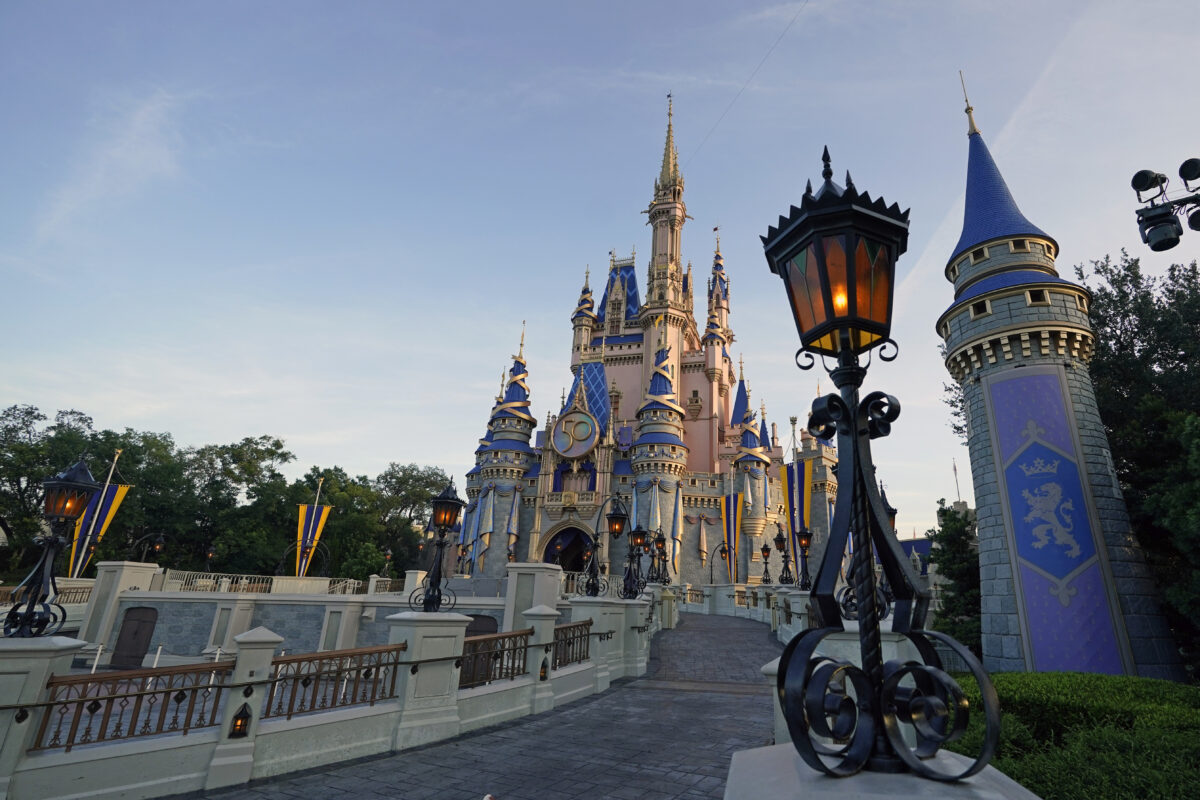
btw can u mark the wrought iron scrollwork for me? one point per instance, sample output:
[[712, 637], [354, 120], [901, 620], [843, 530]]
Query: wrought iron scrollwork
[[833, 711], [808, 361]]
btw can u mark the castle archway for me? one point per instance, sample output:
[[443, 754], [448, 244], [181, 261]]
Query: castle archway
[[568, 548]]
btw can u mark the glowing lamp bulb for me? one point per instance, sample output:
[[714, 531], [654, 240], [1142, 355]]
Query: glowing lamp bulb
[[839, 302]]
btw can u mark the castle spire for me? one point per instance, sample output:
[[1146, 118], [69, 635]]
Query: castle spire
[[670, 163], [971, 129], [990, 212]]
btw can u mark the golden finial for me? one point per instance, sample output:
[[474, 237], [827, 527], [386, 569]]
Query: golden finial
[[717, 231], [971, 129], [521, 351], [502, 373], [741, 370], [587, 275]]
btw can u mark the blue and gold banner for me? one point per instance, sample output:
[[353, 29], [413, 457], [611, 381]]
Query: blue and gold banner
[[731, 523], [102, 508], [308, 533], [796, 479], [1065, 595]]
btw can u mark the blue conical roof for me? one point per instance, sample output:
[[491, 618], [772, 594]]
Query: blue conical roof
[[741, 404], [990, 211]]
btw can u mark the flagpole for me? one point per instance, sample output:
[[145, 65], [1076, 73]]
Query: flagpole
[[312, 524], [92, 525]]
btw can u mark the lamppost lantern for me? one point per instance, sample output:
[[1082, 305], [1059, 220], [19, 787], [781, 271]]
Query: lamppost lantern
[[637, 538], [617, 519], [765, 551], [159, 543], [836, 254], [65, 496], [446, 507], [780, 540], [431, 595]]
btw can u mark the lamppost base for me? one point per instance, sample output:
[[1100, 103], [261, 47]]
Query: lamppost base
[[778, 773]]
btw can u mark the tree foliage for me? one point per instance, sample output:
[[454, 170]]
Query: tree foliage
[[955, 553], [230, 497], [1146, 373]]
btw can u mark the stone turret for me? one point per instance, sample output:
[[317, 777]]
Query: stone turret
[[1064, 585]]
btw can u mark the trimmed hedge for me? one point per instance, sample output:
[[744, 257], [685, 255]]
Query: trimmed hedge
[[1069, 735]]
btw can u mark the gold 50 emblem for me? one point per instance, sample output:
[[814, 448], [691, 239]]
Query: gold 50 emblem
[[574, 434]]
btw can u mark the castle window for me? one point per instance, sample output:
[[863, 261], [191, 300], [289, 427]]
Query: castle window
[[978, 254], [952, 273], [624, 480], [981, 308], [695, 392], [1018, 246], [692, 482], [1037, 297], [944, 330], [1050, 250], [1081, 303]]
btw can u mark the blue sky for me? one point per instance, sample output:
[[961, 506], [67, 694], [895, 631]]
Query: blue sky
[[326, 221]]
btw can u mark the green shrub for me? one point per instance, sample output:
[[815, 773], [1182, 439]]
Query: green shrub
[[1093, 737]]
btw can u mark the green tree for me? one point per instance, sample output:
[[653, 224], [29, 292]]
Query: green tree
[[955, 553]]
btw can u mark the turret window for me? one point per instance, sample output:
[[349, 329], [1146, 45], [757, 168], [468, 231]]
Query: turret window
[[1018, 246], [1037, 297], [944, 330], [978, 254], [1081, 303], [952, 273], [981, 308]]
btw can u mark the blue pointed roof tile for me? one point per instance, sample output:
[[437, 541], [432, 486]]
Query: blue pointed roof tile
[[990, 211]]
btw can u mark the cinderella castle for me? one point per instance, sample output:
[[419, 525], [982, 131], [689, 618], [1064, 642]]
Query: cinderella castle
[[657, 414]]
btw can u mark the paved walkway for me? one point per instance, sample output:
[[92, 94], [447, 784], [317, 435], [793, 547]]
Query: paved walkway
[[669, 734]]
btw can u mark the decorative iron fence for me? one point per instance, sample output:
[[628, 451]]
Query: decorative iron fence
[[493, 656], [571, 643], [346, 586], [573, 583], [739, 597], [384, 585], [303, 684], [89, 709], [75, 595], [177, 580], [695, 596]]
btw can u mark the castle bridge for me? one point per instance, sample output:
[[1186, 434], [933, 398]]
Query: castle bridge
[[668, 734]]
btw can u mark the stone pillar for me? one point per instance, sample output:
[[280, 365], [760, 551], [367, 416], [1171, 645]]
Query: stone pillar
[[606, 615], [25, 666], [112, 578], [529, 585], [412, 579], [723, 600], [670, 614], [710, 600], [539, 658], [233, 759], [636, 637], [428, 691]]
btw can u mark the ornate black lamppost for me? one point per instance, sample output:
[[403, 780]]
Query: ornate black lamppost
[[723, 552], [387, 563], [785, 576], [431, 595], [766, 554], [35, 613], [616, 518], [805, 537], [836, 254], [151, 543], [634, 583]]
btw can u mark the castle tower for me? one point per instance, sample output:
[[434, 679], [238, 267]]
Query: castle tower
[[1064, 585], [492, 524]]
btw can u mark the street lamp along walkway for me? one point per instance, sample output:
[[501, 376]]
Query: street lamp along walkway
[[431, 595], [35, 613], [836, 254]]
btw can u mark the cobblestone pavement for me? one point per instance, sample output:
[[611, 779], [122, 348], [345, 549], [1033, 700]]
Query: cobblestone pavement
[[669, 734]]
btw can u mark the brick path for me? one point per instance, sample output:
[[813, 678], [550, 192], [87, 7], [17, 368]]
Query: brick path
[[667, 735]]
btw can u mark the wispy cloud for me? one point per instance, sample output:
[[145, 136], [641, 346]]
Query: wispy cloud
[[139, 144]]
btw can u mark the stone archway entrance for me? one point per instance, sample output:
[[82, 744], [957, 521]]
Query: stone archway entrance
[[568, 549]]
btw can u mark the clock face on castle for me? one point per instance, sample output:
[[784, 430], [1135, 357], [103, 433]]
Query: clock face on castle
[[574, 434]]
